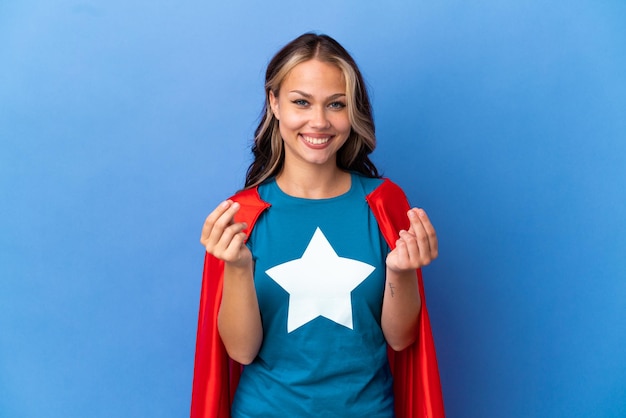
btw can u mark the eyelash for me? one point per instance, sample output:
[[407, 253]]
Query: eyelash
[[333, 105]]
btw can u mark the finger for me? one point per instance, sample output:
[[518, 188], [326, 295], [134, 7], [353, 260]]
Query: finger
[[212, 218], [432, 234], [232, 252], [229, 234], [402, 255], [422, 243], [424, 232], [221, 219], [410, 248], [229, 244]]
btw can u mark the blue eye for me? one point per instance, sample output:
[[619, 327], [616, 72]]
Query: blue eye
[[300, 102], [337, 105]]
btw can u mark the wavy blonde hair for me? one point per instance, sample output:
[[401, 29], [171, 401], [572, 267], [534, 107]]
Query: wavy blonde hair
[[268, 147]]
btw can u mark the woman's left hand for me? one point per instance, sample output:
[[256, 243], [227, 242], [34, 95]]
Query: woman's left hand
[[416, 247]]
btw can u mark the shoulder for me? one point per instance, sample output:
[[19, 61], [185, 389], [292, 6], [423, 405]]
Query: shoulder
[[387, 190], [252, 193], [367, 184], [389, 205], [251, 206]]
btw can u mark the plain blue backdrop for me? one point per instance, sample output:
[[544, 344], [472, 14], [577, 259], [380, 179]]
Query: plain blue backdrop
[[122, 124]]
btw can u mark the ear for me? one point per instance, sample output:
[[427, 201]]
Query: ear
[[274, 104]]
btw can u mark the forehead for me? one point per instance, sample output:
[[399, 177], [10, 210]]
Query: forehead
[[315, 75]]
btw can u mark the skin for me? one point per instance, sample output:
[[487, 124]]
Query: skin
[[415, 248], [314, 124]]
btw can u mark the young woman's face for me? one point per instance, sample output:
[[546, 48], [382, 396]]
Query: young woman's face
[[312, 113]]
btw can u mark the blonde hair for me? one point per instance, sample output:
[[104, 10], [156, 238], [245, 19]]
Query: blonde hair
[[268, 148]]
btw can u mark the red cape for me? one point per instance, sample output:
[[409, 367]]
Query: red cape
[[416, 377]]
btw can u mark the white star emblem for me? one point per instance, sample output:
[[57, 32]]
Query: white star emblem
[[320, 283]]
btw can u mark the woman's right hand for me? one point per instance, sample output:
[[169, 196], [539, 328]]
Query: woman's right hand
[[239, 320], [224, 238]]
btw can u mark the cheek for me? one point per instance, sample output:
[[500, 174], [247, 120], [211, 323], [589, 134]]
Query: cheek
[[290, 121], [284, 131], [342, 124], [287, 128]]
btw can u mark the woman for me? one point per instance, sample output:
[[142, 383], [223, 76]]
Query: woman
[[311, 278]]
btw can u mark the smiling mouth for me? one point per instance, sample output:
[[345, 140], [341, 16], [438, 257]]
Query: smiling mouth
[[316, 141]]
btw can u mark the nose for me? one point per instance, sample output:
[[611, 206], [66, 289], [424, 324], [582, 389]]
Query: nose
[[319, 118]]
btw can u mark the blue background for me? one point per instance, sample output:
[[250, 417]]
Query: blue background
[[122, 124]]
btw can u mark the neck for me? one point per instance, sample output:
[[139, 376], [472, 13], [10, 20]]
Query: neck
[[314, 183]]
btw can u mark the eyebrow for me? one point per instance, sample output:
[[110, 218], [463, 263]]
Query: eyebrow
[[309, 96]]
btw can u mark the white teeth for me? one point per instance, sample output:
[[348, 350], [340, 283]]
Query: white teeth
[[315, 141]]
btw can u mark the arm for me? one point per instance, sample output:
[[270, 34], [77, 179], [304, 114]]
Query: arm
[[239, 319], [415, 248]]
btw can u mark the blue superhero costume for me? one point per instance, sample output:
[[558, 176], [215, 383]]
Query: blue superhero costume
[[416, 384], [319, 277]]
